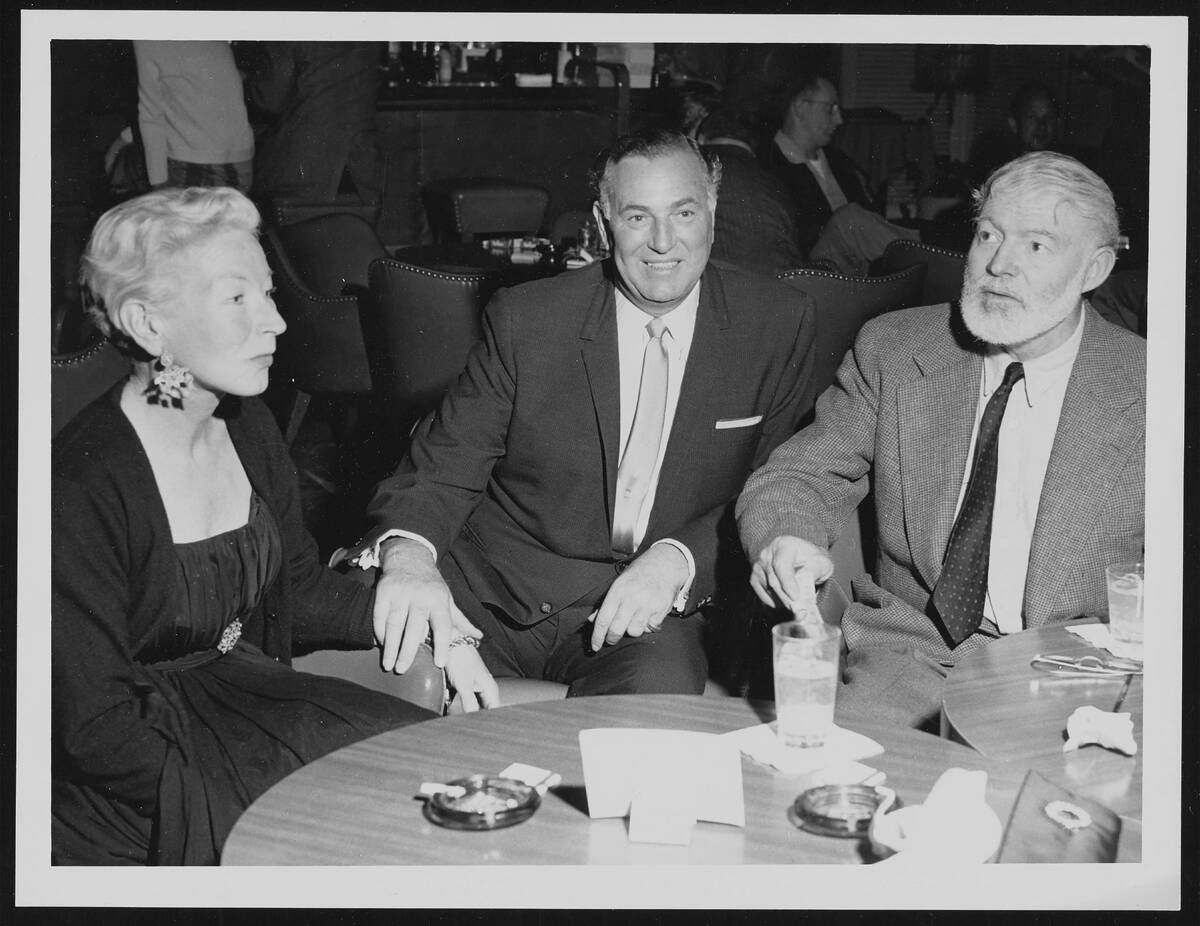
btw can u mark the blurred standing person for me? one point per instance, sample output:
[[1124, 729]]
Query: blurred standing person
[[192, 115], [321, 96]]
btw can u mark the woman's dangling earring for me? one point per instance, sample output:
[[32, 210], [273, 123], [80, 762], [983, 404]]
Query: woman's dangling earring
[[170, 384]]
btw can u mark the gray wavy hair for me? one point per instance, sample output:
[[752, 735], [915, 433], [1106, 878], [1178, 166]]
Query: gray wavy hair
[[650, 143], [1062, 174]]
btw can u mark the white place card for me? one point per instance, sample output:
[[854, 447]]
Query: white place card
[[701, 771]]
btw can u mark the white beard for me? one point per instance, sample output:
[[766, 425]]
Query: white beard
[[1007, 322]]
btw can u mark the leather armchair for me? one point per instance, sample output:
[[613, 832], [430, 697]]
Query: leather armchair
[[424, 325], [943, 268], [79, 377], [466, 208], [844, 304], [320, 269]]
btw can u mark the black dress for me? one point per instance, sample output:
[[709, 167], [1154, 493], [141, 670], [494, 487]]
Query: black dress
[[239, 720]]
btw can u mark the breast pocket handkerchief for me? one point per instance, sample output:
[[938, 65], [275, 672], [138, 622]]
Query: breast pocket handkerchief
[[726, 423]]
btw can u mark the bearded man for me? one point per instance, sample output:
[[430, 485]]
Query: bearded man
[[1003, 438]]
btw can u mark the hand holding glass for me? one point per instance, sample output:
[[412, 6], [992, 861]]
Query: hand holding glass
[[805, 655]]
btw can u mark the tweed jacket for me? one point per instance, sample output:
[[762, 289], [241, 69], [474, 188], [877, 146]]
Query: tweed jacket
[[898, 420], [515, 476]]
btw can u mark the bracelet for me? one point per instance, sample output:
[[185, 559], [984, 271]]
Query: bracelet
[[461, 640]]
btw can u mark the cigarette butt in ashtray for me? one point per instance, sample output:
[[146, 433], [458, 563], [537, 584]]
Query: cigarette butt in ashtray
[[430, 788]]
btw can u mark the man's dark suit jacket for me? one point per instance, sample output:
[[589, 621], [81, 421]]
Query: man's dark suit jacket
[[755, 221], [514, 477], [812, 208]]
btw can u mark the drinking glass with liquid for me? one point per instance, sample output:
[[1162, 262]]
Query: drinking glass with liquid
[[805, 657], [1126, 587]]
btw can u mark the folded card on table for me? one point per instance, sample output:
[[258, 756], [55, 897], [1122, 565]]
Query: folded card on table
[[703, 772]]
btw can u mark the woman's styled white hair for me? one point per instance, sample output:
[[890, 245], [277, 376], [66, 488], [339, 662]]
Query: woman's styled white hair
[[132, 243]]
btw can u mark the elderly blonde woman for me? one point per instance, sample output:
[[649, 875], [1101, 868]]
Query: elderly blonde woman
[[182, 575]]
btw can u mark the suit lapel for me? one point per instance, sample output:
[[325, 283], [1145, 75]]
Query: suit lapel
[[937, 416], [1097, 430], [710, 353], [598, 347]]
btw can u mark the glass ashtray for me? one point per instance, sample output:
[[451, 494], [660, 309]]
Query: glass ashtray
[[483, 802], [840, 810]]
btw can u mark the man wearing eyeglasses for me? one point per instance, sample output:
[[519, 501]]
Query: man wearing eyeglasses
[[835, 217]]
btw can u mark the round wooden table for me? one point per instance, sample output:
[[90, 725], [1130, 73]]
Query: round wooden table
[[997, 703], [356, 806]]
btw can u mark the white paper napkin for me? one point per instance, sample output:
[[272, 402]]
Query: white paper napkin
[[1089, 724], [955, 825], [762, 745], [1098, 635]]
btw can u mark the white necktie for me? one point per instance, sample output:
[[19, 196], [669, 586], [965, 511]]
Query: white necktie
[[645, 437]]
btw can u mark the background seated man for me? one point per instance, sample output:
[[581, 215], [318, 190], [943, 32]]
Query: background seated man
[[834, 213], [573, 494], [755, 221], [1022, 378]]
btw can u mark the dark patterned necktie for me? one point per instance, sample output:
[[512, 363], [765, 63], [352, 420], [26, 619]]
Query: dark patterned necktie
[[962, 586]]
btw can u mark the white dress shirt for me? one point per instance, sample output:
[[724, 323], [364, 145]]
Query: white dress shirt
[[632, 338], [1027, 434]]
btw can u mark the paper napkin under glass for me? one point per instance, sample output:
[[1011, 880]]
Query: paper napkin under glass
[[761, 743], [1101, 637]]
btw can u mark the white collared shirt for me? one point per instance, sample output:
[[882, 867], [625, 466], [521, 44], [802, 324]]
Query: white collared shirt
[[1027, 434]]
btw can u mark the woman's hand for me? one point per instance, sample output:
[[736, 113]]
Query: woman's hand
[[469, 677]]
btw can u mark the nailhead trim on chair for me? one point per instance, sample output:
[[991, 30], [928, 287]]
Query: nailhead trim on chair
[[802, 272], [463, 278], [904, 244], [80, 356]]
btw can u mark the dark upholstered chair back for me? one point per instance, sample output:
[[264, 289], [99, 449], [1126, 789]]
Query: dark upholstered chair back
[[468, 208], [844, 304], [329, 254], [77, 378], [424, 325], [320, 270], [943, 268]]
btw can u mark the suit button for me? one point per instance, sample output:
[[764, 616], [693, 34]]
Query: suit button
[[620, 565], [546, 607]]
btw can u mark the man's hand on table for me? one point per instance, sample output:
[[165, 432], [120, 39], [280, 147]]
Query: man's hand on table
[[773, 573], [411, 598], [641, 597]]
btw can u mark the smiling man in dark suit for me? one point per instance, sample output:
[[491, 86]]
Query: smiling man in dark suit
[[572, 497], [1022, 380]]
